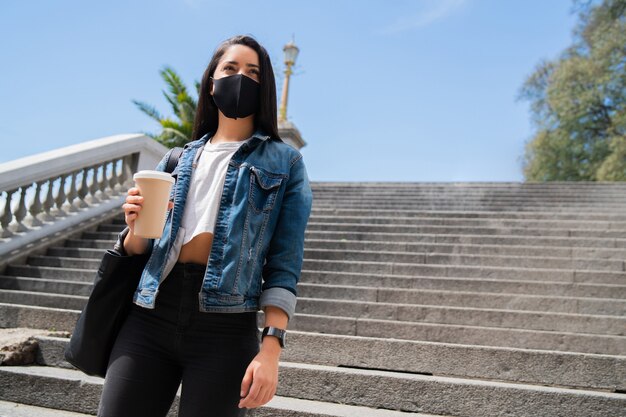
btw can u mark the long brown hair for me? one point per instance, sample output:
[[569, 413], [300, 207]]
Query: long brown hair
[[207, 113]]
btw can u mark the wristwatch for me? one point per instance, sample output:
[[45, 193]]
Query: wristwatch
[[276, 332]]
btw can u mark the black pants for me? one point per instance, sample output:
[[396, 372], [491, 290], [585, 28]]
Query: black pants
[[157, 349]]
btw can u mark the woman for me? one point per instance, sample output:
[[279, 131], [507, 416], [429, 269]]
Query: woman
[[232, 244]]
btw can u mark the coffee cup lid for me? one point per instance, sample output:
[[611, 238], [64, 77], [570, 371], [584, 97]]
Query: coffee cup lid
[[156, 175]]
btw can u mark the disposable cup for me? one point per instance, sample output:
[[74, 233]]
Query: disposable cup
[[154, 187]]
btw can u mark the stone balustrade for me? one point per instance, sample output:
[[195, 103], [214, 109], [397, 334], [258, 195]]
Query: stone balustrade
[[52, 191]]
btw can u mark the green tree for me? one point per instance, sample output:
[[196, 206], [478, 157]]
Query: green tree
[[578, 102], [175, 132]]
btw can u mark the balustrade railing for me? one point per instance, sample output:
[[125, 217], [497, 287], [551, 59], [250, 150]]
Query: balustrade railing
[[44, 193]]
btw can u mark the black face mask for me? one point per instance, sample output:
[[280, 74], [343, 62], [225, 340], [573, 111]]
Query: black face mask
[[236, 95]]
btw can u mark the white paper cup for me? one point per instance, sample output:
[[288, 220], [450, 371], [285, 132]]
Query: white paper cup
[[154, 187]]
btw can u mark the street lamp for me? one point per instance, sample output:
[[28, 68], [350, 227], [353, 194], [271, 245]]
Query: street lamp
[[291, 53]]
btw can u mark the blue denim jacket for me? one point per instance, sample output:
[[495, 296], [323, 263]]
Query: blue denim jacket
[[258, 244]]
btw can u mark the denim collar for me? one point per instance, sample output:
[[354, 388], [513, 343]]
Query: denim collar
[[258, 136], [259, 133]]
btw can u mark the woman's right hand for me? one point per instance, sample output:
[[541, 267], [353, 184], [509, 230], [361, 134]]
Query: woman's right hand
[[134, 245], [132, 207]]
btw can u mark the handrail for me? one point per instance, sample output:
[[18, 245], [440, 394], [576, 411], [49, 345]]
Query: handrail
[[52, 191]]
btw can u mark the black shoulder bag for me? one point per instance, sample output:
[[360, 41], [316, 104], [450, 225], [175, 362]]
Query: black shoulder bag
[[108, 305]]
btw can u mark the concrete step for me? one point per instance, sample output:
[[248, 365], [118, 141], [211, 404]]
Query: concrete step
[[465, 299], [80, 253], [463, 334], [488, 285], [503, 215], [35, 317], [551, 185], [557, 300], [11, 409], [295, 407], [461, 204], [469, 199], [110, 236], [450, 222], [469, 239], [463, 249], [72, 258], [476, 194], [558, 295], [15, 315], [70, 268], [467, 271], [71, 390], [564, 369], [412, 393], [65, 274], [597, 248], [94, 249], [460, 230], [463, 259], [455, 221], [481, 194], [65, 262], [551, 188], [330, 232], [56, 286], [426, 313], [89, 244], [499, 215], [43, 299], [503, 200], [564, 298], [451, 206]]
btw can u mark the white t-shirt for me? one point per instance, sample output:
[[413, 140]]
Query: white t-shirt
[[205, 189]]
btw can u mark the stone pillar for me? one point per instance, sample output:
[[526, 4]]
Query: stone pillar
[[290, 134]]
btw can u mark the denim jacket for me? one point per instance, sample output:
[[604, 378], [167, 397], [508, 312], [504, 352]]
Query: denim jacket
[[258, 243]]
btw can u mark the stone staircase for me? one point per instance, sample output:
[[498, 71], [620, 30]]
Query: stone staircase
[[416, 299]]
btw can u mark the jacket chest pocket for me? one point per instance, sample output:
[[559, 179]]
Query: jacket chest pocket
[[263, 189]]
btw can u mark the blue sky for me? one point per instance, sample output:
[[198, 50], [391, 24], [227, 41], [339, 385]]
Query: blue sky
[[396, 90]]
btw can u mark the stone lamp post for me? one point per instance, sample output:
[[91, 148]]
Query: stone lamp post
[[287, 130]]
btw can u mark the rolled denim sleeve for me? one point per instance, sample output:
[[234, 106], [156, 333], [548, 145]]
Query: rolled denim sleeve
[[283, 262]]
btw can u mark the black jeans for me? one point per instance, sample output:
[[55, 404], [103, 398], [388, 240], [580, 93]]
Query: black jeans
[[157, 349]]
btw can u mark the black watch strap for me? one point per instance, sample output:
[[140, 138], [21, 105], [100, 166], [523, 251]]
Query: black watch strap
[[276, 332]]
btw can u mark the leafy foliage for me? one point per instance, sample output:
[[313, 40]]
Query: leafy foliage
[[175, 132], [578, 102]]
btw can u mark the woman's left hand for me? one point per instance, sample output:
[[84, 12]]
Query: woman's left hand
[[260, 381]]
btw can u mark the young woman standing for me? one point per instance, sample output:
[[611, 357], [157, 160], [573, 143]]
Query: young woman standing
[[232, 244]]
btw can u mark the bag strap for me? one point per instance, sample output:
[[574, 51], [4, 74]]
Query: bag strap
[[172, 160]]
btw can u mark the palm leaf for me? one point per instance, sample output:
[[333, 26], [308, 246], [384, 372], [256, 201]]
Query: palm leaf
[[148, 109], [174, 132]]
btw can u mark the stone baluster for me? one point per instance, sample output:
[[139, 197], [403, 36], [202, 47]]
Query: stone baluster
[[126, 178], [93, 186], [83, 189], [17, 226], [72, 194], [103, 183], [60, 198], [47, 216], [114, 185], [7, 215], [35, 208]]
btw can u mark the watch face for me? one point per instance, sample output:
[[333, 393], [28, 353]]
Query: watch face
[[273, 331]]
